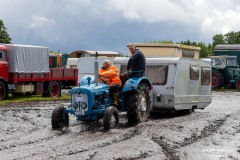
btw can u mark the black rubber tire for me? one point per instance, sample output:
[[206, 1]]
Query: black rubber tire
[[217, 79], [57, 118], [111, 118], [3, 91], [237, 84], [54, 89], [138, 105]]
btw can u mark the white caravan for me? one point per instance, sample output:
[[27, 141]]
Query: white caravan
[[178, 83]]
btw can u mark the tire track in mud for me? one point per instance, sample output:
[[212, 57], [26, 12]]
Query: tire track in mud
[[45, 139], [130, 134], [207, 131], [22, 118], [171, 151], [141, 156], [26, 143]]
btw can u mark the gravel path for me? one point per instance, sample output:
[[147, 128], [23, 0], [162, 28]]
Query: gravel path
[[213, 133]]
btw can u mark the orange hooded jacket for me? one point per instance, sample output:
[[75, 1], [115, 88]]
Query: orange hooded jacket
[[110, 76]]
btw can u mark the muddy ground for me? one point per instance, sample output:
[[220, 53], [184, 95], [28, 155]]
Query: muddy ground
[[213, 133]]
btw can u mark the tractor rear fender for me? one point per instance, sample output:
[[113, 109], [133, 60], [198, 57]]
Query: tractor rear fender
[[133, 83]]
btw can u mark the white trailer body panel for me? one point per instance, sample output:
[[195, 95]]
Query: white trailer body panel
[[174, 84], [85, 65], [27, 59], [72, 63]]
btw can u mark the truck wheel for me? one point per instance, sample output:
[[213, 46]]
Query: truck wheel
[[238, 84], [217, 79], [54, 89], [57, 118], [3, 91], [138, 105], [111, 118]]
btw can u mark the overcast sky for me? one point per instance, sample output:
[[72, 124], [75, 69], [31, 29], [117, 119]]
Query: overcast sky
[[69, 25]]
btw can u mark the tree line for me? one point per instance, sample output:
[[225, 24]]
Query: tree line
[[206, 49]]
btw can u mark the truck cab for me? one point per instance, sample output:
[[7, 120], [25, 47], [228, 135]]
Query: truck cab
[[3, 63]]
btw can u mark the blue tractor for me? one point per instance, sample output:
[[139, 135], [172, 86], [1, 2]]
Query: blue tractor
[[92, 100]]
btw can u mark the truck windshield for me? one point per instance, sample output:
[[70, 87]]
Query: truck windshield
[[2, 57], [232, 62]]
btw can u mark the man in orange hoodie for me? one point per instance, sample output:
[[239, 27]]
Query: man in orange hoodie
[[109, 74]]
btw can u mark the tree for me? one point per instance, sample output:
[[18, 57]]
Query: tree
[[4, 36], [228, 38]]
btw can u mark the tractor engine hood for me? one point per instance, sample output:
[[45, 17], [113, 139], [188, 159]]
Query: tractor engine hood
[[92, 88]]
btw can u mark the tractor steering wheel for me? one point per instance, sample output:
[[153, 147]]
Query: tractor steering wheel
[[105, 79]]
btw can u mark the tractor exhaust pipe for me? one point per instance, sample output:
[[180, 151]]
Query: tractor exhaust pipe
[[96, 69]]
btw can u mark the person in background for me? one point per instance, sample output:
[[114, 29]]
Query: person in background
[[109, 74], [136, 64]]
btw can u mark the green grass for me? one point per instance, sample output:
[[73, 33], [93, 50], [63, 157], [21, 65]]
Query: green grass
[[226, 90], [28, 98]]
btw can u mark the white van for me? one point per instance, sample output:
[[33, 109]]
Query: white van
[[178, 83]]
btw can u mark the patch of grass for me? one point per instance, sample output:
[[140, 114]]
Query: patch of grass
[[226, 90], [28, 98]]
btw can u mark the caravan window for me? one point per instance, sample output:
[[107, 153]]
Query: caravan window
[[187, 53], [194, 72], [156, 74], [205, 72], [73, 66]]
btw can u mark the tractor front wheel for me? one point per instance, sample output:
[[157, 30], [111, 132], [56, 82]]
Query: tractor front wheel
[[138, 105], [111, 118], [58, 119]]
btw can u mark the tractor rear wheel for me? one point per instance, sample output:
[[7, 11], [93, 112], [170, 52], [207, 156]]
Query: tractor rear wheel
[[217, 79], [237, 84], [58, 121], [138, 105], [3, 91], [111, 118]]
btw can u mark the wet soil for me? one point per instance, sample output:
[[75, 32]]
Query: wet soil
[[213, 133]]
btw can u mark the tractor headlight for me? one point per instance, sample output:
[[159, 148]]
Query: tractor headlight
[[83, 105], [75, 105]]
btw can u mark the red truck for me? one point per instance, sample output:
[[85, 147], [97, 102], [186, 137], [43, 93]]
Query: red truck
[[25, 69]]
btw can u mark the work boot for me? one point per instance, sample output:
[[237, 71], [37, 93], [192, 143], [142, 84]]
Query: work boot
[[115, 98]]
